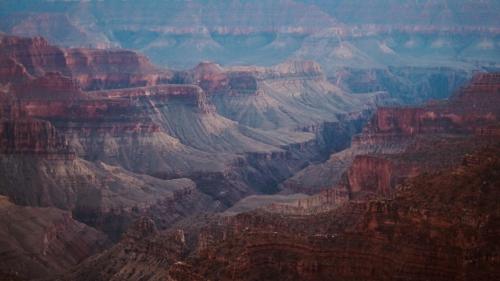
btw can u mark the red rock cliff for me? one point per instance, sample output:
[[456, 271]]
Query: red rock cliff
[[92, 68], [31, 136]]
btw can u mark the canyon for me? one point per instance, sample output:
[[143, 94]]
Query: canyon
[[110, 138], [360, 46], [395, 214], [249, 140]]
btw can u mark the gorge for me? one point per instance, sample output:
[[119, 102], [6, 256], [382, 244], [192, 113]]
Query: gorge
[[249, 140]]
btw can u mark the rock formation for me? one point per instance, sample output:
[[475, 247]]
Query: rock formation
[[91, 68], [470, 112], [438, 226], [172, 131], [40, 242], [114, 168], [423, 209]]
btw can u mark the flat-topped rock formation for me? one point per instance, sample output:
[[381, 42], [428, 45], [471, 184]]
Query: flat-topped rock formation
[[91, 68]]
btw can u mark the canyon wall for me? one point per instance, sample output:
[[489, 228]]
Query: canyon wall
[[426, 230], [37, 242], [470, 112]]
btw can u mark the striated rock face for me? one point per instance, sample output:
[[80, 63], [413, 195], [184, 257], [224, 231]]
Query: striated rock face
[[165, 131], [41, 242], [31, 136], [50, 86], [472, 111], [428, 230], [472, 106], [91, 68], [190, 96], [376, 224], [351, 242], [107, 69], [48, 125], [370, 173], [320, 202], [39, 168], [35, 54], [106, 197], [277, 97]]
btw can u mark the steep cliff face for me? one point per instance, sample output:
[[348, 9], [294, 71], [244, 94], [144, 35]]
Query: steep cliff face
[[413, 227], [28, 136], [40, 242], [108, 69], [472, 111], [167, 131], [48, 125], [35, 54], [39, 168], [172, 131], [374, 225], [91, 68], [278, 97], [50, 86], [427, 231]]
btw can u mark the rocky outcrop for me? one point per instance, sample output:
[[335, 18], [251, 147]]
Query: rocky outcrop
[[158, 130], [92, 69], [35, 54], [41, 242], [472, 111], [432, 218], [277, 97], [320, 202], [103, 196], [396, 208], [42, 164], [50, 86], [413, 226], [108, 69], [31, 136], [161, 95], [144, 123]]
